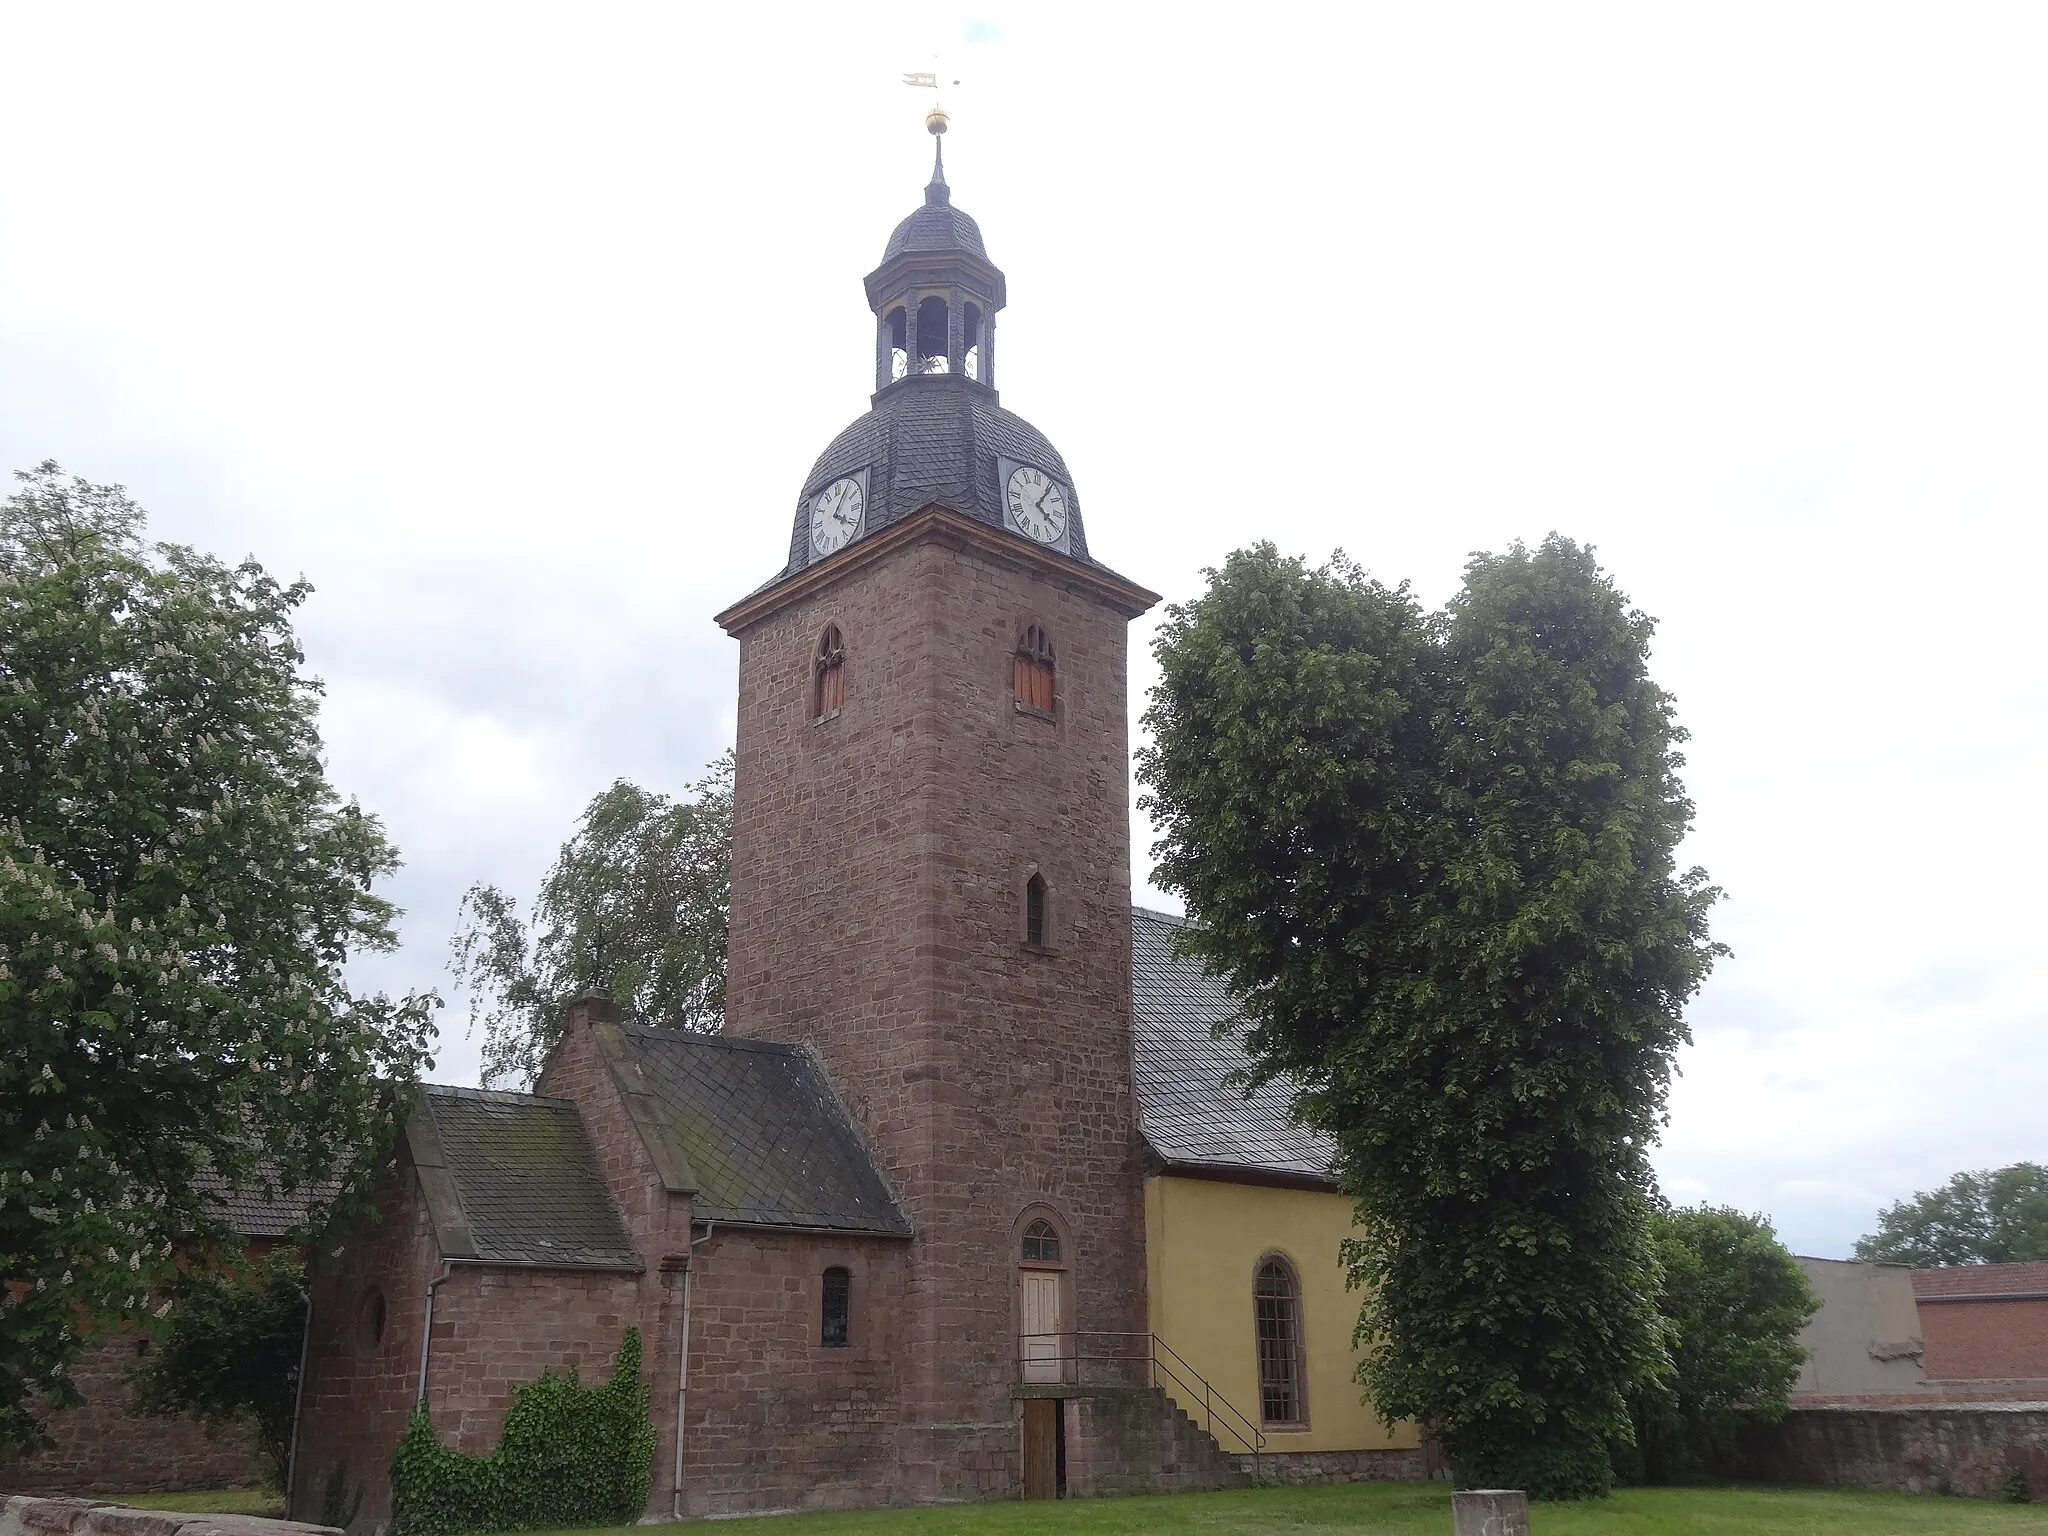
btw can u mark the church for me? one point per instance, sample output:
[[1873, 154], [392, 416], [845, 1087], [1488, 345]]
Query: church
[[960, 1204]]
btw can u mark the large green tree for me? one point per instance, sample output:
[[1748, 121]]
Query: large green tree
[[1434, 854], [179, 891], [1733, 1301], [1993, 1216], [637, 904]]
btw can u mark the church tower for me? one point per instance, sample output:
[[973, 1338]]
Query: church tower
[[931, 873]]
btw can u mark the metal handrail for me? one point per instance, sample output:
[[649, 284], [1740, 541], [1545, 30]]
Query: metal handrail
[[1160, 1359]]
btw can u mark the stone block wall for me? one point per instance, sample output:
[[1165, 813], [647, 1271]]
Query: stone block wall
[[102, 1448], [1135, 1440], [1957, 1449], [1303, 1468]]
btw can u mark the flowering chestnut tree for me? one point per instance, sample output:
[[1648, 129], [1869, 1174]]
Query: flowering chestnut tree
[[179, 891]]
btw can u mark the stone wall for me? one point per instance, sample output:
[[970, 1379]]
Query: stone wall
[[1299, 1468], [103, 1448], [1960, 1449], [1135, 1440], [880, 859], [82, 1517]]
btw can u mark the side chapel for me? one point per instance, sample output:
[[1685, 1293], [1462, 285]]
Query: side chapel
[[959, 1205]]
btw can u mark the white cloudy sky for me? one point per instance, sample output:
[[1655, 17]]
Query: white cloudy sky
[[516, 329]]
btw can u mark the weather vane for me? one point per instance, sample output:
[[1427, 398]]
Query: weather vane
[[928, 80]]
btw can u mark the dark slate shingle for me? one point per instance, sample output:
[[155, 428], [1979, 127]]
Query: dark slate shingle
[[1190, 1116], [769, 1141], [526, 1178]]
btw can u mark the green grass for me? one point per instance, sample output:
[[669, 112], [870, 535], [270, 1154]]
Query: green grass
[[1397, 1509], [219, 1501]]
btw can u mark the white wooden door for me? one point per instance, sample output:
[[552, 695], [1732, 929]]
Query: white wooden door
[[1042, 1326]]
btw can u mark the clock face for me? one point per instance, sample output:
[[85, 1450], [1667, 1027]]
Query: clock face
[[836, 514], [1038, 504]]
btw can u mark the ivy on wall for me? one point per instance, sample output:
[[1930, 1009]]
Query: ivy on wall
[[570, 1455]]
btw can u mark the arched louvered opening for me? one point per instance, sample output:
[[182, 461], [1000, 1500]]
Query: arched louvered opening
[[1032, 671], [898, 321], [829, 690]]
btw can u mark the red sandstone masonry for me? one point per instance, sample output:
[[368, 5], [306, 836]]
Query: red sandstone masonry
[[879, 865]]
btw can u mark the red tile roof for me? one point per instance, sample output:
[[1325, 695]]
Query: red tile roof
[[2030, 1279]]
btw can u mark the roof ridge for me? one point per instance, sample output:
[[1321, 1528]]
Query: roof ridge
[[1178, 919], [497, 1095], [702, 1037]]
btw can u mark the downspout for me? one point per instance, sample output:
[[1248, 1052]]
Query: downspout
[[291, 1461], [683, 1371], [443, 1271]]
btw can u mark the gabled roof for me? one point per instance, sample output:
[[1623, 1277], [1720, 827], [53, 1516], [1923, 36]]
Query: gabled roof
[[755, 1129], [1193, 1121], [512, 1178]]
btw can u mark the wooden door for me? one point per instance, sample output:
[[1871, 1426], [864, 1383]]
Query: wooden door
[[1041, 1447], [1039, 1346]]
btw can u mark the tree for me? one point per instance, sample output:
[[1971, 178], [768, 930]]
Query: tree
[[1993, 1216], [231, 1354], [1734, 1301], [179, 891], [637, 903], [1433, 853]]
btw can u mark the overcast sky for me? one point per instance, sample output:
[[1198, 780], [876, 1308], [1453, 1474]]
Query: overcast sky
[[517, 329]]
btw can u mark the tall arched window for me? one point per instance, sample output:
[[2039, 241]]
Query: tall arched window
[[1032, 671], [1041, 1243], [1276, 1306], [835, 1308], [1035, 923], [830, 689]]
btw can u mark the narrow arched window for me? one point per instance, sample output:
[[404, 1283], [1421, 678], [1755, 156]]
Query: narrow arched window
[[1031, 672], [1276, 1306], [1041, 1243], [835, 1308], [934, 337], [1034, 911], [829, 691]]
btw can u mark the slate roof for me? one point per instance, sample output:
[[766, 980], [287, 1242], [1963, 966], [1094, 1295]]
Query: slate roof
[[1192, 1121], [767, 1139], [937, 226], [932, 437], [512, 1178], [255, 1214]]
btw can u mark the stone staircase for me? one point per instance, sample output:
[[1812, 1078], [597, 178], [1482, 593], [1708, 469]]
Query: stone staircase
[[1138, 1440]]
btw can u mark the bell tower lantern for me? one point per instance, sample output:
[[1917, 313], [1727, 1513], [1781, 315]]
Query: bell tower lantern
[[936, 293]]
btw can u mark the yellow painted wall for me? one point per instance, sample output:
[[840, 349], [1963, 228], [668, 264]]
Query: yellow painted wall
[[1204, 1239]]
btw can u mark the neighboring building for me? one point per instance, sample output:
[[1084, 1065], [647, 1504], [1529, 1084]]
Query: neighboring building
[[102, 1447], [1888, 1335], [954, 1190], [1865, 1340], [1986, 1327]]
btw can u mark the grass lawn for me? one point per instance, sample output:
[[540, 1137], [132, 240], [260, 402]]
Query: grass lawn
[[1398, 1509], [225, 1501]]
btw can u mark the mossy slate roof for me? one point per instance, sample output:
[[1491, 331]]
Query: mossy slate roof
[[524, 1176], [767, 1138], [1194, 1118]]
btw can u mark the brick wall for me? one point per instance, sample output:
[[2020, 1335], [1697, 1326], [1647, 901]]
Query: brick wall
[[103, 1449], [1976, 1340], [879, 865], [360, 1379]]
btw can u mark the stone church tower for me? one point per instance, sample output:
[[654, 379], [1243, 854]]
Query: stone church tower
[[931, 877]]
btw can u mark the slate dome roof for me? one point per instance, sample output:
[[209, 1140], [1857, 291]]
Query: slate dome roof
[[932, 438], [937, 226]]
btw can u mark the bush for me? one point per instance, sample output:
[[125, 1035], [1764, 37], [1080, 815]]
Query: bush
[[231, 1354], [570, 1455], [1733, 1302]]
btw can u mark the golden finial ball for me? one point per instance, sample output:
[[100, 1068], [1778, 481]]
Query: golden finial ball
[[935, 120]]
